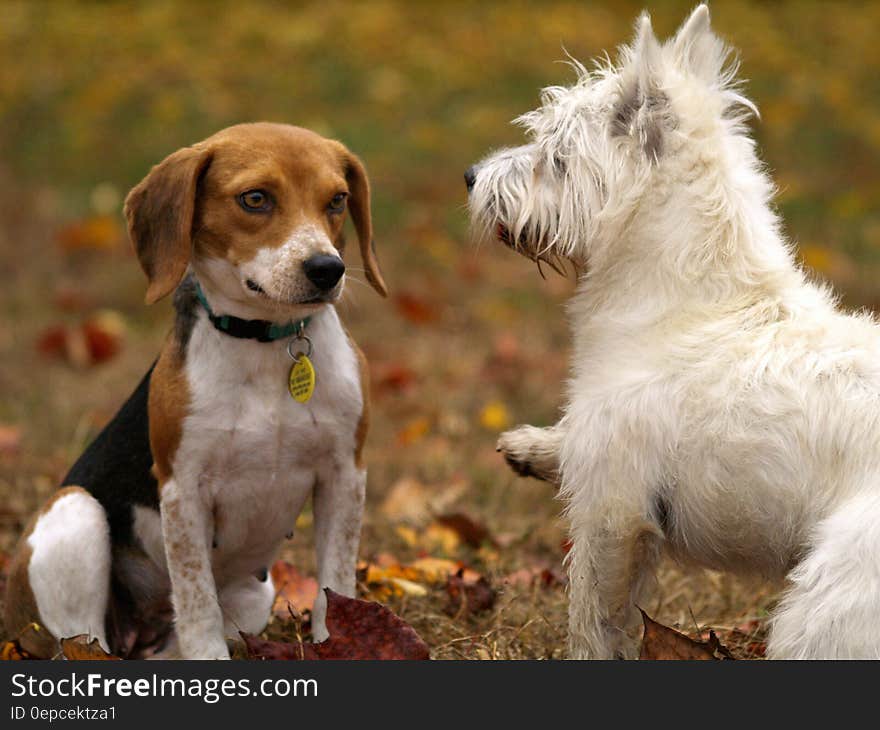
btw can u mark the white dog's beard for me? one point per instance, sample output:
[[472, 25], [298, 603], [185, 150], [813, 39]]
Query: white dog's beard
[[492, 224], [532, 247]]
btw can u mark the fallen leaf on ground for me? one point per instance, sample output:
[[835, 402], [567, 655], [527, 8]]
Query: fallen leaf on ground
[[11, 651], [439, 538], [81, 648], [293, 590], [103, 333], [409, 500], [437, 570], [746, 641], [470, 531], [661, 642], [358, 630], [392, 578], [95, 340], [409, 587], [383, 582], [433, 539], [466, 598], [752, 635]]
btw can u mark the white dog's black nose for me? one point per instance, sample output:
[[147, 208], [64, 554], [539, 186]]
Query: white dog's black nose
[[470, 177], [324, 271]]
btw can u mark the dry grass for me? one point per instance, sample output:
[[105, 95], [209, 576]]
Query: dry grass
[[95, 93]]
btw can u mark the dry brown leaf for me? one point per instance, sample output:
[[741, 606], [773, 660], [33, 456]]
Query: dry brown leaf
[[439, 538], [388, 578], [103, 332], [293, 590], [81, 648], [409, 500], [358, 630], [12, 651], [437, 570], [95, 340], [746, 641], [465, 598], [661, 642], [473, 533]]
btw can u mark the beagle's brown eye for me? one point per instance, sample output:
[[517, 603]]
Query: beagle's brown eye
[[255, 201], [337, 203]]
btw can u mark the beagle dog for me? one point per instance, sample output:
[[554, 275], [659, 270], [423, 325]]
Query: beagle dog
[[160, 541]]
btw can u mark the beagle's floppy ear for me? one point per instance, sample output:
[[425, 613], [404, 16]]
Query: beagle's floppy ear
[[359, 204], [159, 211]]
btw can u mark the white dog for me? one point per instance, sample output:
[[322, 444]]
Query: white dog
[[720, 404]]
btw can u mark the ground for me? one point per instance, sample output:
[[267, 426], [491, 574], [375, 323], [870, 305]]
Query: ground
[[472, 339]]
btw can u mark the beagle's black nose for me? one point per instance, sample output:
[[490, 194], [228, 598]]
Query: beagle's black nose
[[324, 271], [470, 177]]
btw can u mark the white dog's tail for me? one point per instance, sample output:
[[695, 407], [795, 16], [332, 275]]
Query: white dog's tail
[[832, 608]]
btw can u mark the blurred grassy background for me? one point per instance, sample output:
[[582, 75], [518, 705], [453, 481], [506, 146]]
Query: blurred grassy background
[[93, 94]]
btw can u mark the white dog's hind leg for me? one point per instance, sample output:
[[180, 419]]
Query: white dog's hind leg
[[608, 572], [832, 609], [533, 452], [69, 568]]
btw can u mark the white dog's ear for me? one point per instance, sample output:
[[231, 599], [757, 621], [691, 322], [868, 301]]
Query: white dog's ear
[[646, 49], [642, 109], [697, 49]]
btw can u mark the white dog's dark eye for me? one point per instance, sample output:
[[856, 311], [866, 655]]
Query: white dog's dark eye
[[337, 203], [255, 201]]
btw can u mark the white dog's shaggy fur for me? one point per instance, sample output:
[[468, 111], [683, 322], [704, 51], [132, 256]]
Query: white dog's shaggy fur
[[720, 404]]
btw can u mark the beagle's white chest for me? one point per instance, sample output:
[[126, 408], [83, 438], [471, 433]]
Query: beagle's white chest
[[260, 452]]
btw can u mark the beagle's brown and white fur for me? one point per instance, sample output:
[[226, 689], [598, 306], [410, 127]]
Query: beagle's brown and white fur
[[161, 539]]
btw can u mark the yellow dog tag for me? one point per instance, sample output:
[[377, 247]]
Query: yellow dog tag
[[301, 381]]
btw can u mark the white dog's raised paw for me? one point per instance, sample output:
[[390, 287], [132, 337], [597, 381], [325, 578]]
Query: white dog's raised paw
[[522, 451]]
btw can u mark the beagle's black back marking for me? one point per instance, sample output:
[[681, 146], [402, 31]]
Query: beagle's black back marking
[[116, 467]]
